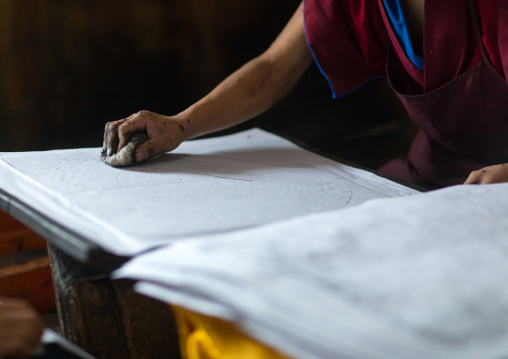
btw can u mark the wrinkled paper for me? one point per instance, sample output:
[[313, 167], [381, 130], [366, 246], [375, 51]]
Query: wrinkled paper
[[418, 277]]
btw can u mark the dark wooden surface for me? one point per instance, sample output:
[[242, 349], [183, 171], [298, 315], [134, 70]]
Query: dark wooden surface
[[107, 318]]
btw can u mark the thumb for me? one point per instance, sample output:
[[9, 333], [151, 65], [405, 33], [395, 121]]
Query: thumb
[[146, 150]]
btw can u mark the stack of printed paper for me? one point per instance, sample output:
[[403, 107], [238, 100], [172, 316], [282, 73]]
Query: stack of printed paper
[[206, 186], [417, 277]]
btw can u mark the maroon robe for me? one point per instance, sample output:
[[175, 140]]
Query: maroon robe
[[460, 100]]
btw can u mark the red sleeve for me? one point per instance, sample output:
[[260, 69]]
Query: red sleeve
[[346, 38], [502, 13]]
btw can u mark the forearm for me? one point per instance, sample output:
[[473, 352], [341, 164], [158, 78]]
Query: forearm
[[248, 92], [253, 88]]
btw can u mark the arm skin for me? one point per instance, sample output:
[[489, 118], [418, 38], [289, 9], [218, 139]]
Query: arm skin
[[248, 92], [20, 328], [491, 174]]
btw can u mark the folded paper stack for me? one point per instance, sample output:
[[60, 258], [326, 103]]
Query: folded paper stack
[[415, 277]]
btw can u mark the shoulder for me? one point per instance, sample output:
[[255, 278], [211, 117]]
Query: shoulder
[[347, 39], [360, 18]]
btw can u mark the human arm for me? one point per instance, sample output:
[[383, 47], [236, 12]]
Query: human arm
[[248, 92], [20, 328]]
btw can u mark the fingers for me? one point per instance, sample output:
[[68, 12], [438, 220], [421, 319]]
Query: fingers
[[133, 124], [474, 177], [491, 174], [20, 328], [117, 133], [110, 143], [165, 133], [147, 150]]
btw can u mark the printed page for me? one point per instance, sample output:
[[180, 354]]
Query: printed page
[[415, 277], [205, 186]]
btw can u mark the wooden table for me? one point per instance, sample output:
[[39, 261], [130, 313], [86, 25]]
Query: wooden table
[[106, 318]]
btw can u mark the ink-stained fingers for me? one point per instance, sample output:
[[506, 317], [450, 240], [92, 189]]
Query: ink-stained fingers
[[147, 150], [491, 174], [165, 134], [132, 125], [473, 178], [483, 176], [110, 144], [108, 132]]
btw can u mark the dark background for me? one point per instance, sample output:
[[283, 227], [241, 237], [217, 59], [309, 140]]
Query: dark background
[[69, 66]]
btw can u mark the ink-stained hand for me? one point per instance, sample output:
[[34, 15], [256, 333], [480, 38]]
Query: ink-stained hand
[[491, 174], [20, 328], [165, 133]]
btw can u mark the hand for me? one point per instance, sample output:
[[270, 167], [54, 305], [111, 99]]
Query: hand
[[20, 328], [165, 133], [491, 174]]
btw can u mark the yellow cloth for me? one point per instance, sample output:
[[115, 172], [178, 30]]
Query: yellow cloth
[[203, 337]]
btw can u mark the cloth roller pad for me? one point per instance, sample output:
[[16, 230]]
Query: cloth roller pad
[[127, 154]]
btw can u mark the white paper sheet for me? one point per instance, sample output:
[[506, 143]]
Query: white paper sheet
[[416, 277], [206, 186], [68, 349]]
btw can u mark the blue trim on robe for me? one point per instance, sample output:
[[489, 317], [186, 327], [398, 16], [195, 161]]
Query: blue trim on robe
[[398, 20], [334, 95]]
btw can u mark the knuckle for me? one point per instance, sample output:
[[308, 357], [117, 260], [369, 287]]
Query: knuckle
[[122, 131], [145, 113]]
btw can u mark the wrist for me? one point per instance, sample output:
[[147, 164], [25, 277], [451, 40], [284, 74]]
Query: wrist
[[189, 121]]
